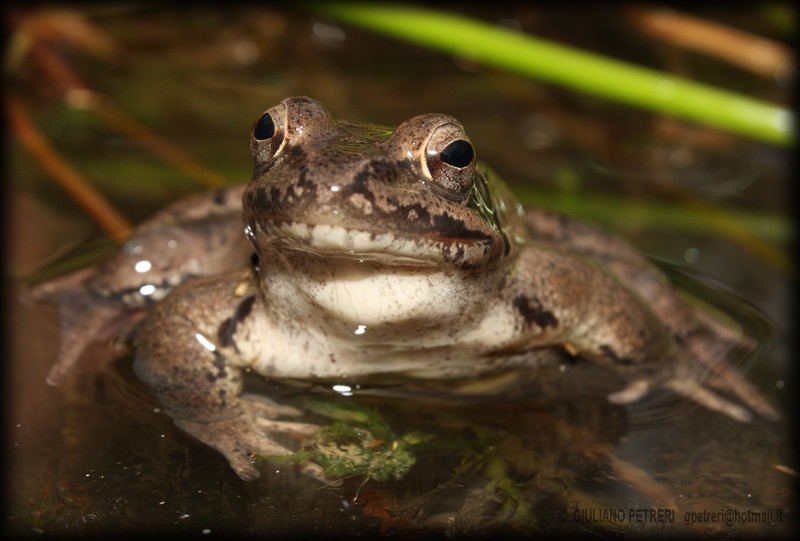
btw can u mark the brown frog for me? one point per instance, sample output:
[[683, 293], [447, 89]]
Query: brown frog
[[379, 255]]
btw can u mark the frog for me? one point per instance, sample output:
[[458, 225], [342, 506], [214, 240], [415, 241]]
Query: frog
[[359, 255]]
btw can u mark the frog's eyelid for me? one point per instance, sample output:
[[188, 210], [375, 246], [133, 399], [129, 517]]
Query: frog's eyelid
[[448, 160], [269, 138]]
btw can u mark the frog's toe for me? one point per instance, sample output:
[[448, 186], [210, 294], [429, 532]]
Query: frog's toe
[[238, 439], [747, 394], [243, 465], [316, 471], [287, 427], [711, 354], [631, 393], [690, 389], [262, 406], [245, 436], [263, 411], [699, 394]]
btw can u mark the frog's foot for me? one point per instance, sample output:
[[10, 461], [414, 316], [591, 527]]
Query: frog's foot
[[694, 391], [244, 437], [710, 354], [85, 319], [699, 394], [631, 393], [748, 394]]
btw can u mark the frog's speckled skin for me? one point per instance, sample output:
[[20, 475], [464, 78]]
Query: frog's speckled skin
[[384, 254]]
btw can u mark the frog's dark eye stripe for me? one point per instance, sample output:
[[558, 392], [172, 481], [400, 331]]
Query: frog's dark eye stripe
[[458, 153], [264, 128]]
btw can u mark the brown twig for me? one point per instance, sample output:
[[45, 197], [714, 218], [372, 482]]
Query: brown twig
[[754, 53], [81, 96], [78, 95], [60, 170], [121, 122]]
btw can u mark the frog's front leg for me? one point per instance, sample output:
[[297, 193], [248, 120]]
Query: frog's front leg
[[199, 235], [619, 257], [186, 355]]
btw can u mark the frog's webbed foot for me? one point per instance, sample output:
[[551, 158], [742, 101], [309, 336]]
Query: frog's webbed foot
[[710, 352], [84, 318], [701, 395], [632, 392], [248, 434], [688, 388], [701, 363]]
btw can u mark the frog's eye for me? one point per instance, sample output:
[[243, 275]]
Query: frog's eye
[[449, 160], [264, 128], [458, 153], [267, 136]]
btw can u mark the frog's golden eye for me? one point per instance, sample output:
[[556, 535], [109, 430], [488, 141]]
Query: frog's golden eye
[[449, 160], [267, 136]]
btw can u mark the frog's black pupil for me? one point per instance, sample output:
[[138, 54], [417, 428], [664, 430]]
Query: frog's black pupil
[[458, 153], [265, 128]]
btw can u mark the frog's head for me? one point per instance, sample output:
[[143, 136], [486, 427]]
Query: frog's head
[[414, 195]]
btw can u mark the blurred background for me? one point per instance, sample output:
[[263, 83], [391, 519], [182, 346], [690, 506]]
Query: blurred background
[[115, 110]]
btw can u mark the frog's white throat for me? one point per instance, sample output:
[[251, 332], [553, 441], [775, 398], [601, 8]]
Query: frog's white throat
[[347, 295]]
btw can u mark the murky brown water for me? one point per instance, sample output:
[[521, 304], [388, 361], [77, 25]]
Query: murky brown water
[[96, 456]]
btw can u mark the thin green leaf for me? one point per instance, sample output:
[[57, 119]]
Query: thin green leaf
[[572, 68]]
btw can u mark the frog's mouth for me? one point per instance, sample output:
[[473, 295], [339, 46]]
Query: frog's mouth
[[381, 246]]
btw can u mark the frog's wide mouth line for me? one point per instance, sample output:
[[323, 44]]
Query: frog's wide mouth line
[[331, 240]]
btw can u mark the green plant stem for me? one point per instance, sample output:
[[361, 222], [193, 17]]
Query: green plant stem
[[572, 68]]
